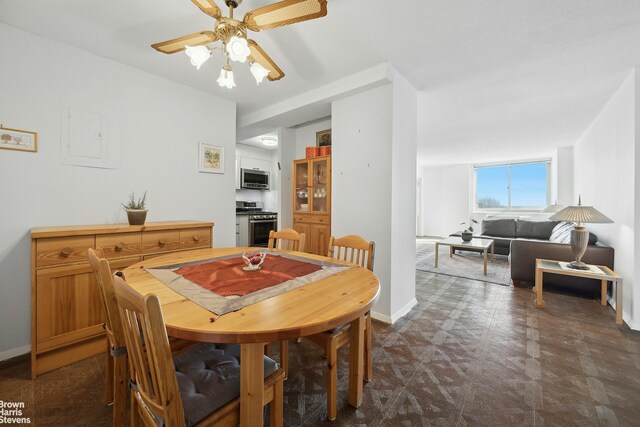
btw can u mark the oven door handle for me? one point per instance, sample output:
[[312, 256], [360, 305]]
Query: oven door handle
[[262, 221]]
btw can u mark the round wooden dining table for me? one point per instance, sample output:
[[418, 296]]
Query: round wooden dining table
[[341, 298]]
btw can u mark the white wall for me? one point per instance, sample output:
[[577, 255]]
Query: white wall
[[286, 156], [446, 199], [564, 176], [361, 176], [374, 158], [160, 123], [306, 136], [605, 177], [403, 196]]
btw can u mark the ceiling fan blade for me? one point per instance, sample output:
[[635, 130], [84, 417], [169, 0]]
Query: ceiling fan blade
[[176, 45], [259, 55], [209, 7], [284, 13]]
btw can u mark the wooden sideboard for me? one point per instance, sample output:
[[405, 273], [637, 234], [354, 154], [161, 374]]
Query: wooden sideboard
[[66, 312]]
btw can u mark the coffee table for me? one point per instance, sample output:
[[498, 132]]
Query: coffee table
[[458, 243]]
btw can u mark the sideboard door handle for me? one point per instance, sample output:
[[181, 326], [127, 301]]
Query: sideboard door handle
[[162, 242], [119, 247], [65, 252], [196, 238]]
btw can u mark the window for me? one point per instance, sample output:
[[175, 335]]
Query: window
[[512, 186]]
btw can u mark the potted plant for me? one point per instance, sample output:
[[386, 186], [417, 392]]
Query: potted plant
[[136, 212], [467, 233]]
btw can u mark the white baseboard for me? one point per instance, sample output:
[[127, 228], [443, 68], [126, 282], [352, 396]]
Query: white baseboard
[[397, 315], [14, 352]]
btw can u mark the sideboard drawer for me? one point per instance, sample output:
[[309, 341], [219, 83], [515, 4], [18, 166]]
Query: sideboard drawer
[[119, 245], [63, 250], [195, 238], [315, 219], [160, 241]]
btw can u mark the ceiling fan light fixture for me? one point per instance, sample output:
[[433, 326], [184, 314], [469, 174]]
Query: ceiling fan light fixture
[[258, 71], [198, 54], [238, 49], [269, 141], [226, 77]]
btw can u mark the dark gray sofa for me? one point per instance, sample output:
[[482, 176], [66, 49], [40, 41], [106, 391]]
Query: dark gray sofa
[[526, 240]]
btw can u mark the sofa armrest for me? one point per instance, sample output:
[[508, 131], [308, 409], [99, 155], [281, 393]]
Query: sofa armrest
[[525, 252]]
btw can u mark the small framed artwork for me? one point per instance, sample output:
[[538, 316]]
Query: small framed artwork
[[211, 159], [323, 138], [16, 139]]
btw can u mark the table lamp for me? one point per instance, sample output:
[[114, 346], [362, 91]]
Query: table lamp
[[579, 234]]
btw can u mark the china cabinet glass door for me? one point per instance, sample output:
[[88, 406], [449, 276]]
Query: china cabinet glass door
[[302, 187], [320, 186]]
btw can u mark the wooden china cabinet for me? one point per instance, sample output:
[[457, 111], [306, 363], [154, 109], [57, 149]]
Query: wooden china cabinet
[[312, 202]]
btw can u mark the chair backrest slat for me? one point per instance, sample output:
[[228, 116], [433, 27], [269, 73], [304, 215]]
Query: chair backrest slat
[[149, 352], [287, 239], [353, 249], [102, 271]]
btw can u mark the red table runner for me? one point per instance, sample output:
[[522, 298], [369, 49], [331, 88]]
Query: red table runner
[[227, 278]]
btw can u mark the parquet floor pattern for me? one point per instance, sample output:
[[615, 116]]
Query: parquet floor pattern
[[469, 353]]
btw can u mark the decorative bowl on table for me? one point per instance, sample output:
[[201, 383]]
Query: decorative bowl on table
[[253, 260]]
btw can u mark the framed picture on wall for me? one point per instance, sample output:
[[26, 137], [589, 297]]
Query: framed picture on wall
[[211, 158], [323, 138], [16, 139]]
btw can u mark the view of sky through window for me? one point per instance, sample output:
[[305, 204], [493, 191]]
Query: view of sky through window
[[526, 183]]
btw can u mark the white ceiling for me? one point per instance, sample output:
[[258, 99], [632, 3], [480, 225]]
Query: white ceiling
[[496, 77], [256, 142]]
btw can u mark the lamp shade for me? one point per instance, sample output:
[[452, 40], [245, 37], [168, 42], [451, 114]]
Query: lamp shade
[[580, 214]]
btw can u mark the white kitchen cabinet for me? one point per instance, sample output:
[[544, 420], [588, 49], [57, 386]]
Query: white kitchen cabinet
[[251, 163], [242, 231]]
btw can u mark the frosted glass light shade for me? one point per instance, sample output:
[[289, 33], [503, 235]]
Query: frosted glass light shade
[[269, 141], [198, 54], [226, 77], [238, 49], [258, 71]]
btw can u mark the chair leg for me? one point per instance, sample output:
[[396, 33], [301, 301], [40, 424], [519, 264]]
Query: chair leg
[[368, 362], [108, 377], [120, 391], [135, 417], [268, 349], [284, 357], [275, 407], [332, 380]]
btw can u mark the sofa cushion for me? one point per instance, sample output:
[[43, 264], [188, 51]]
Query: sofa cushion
[[540, 230], [499, 227], [208, 378]]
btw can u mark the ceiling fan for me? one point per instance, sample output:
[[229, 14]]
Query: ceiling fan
[[236, 46]]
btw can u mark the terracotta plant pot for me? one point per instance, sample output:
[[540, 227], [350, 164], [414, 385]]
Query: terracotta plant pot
[[466, 237], [136, 217]]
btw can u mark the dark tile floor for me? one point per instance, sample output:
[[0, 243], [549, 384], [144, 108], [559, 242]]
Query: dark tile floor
[[469, 353]]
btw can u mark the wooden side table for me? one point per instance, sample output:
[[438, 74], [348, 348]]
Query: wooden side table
[[555, 267]]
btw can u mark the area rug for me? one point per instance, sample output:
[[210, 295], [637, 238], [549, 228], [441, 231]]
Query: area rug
[[467, 265]]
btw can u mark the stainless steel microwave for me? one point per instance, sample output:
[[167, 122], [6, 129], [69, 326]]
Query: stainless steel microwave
[[254, 179]]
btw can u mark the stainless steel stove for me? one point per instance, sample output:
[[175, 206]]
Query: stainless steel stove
[[253, 224]]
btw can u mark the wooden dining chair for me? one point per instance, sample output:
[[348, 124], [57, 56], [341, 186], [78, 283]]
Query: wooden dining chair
[[116, 361], [287, 239], [355, 250], [163, 388]]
